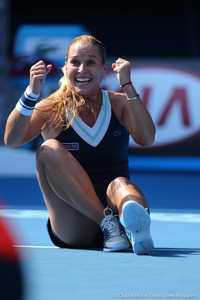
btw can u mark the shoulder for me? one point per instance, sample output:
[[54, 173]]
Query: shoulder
[[118, 103], [42, 114], [45, 103], [40, 111]]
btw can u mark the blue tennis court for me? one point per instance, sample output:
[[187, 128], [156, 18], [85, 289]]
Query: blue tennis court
[[172, 271]]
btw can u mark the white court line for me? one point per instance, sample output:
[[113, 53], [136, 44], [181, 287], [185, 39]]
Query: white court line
[[155, 216], [24, 213], [176, 217]]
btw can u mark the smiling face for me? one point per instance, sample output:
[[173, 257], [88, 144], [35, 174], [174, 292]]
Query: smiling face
[[84, 68]]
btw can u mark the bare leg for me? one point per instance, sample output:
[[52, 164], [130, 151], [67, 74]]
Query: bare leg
[[135, 218], [121, 190], [75, 210]]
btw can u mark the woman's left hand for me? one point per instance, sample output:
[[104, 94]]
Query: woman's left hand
[[122, 68]]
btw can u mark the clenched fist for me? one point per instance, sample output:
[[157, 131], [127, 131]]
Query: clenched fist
[[38, 74], [122, 68]]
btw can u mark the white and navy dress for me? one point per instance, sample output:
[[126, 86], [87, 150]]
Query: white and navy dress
[[102, 150]]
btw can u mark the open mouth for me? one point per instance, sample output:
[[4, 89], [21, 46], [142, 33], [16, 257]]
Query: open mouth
[[83, 80]]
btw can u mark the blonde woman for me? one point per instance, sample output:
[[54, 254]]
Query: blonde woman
[[82, 166]]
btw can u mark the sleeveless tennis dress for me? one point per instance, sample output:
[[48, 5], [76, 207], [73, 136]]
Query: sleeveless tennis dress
[[102, 150]]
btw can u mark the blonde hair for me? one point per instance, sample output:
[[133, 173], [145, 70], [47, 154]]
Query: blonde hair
[[66, 100]]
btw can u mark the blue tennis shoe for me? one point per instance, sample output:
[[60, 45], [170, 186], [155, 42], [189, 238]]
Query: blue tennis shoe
[[136, 221]]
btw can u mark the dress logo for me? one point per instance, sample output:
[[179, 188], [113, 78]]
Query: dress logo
[[117, 133], [71, 146]]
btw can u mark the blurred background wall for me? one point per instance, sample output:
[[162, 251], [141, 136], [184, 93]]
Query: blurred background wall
[[129, 28], [157, 34], [162, 41], [5, 84]]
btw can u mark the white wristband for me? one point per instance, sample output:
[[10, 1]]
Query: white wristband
[[29, 93], [26, 103]]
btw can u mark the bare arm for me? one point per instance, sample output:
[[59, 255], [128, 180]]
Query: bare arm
[[16, 128], [137, 119], [20, 128], [132, 113]]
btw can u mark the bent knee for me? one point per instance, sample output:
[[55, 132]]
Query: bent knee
[[49, 150], [117, 184], [52, 143]]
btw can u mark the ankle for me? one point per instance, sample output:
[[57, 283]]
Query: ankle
[[107, 214]]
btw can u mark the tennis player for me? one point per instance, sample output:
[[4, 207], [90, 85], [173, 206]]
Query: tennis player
[[82, 166]]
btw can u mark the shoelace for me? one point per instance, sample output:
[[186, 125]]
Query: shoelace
[[107, 208], [114, 227]]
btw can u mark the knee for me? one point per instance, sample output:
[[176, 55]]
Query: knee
[[116, 185], [49, 150]]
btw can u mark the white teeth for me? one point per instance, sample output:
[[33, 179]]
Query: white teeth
[[83, 79]]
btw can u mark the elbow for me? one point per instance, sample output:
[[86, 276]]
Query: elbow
[[147, 140], [150, 137], [9, 142], [144, 142]]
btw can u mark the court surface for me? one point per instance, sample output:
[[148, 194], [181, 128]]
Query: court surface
[[52, 273], [172, 271]]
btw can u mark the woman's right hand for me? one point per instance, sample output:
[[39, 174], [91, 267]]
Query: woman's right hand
[[38, 74]]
